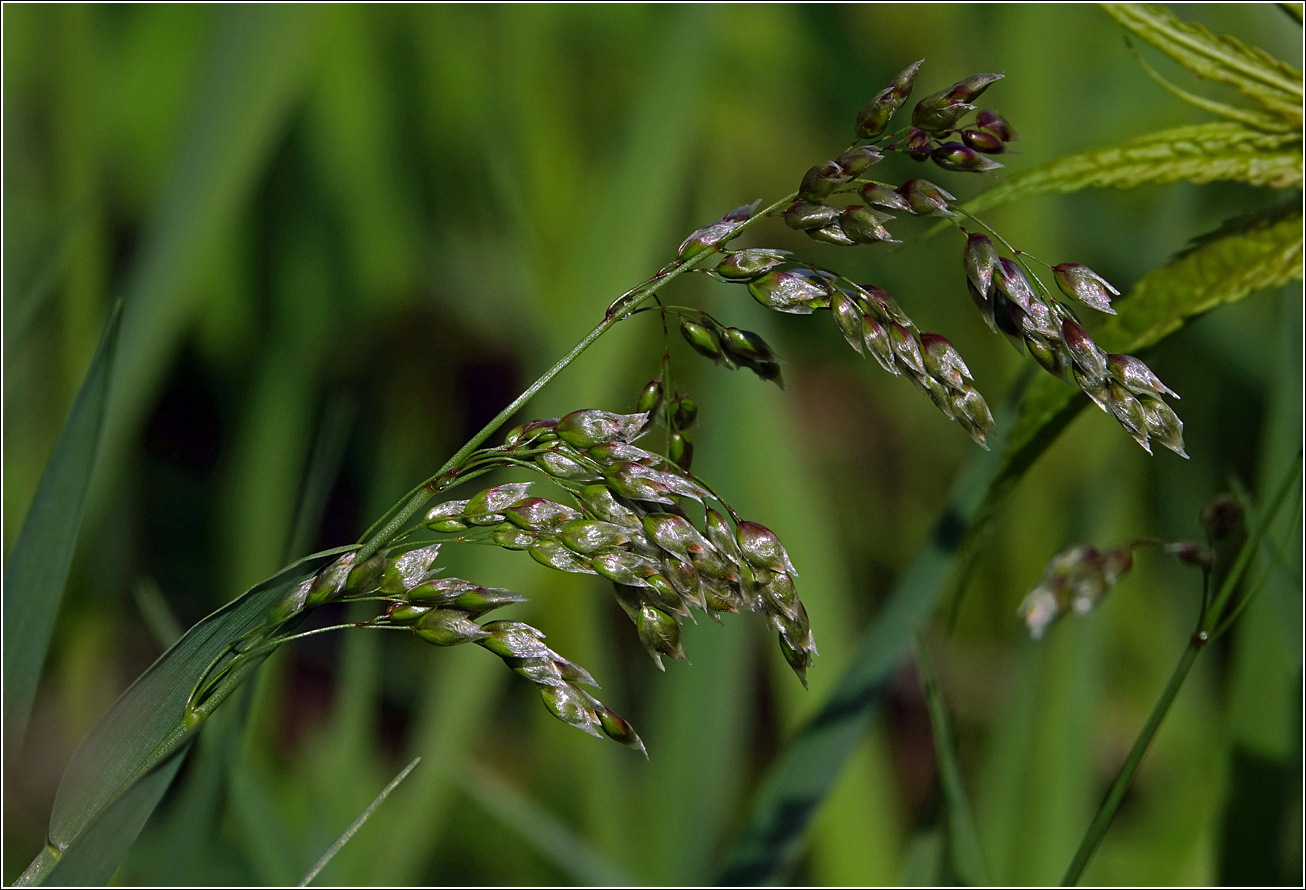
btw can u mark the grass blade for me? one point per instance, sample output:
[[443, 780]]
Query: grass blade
[[1221, 150], [257, 60], [145, 728], [38, 566], [540, 828], [357, 823], [812, 760], [104, 841], [1222, 271], [963, 838], [1253, 72]]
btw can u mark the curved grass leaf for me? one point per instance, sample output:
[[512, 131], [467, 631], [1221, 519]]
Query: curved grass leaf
[[38, 566], [963, 838], [1221, 150], [540, 828], [1223, 271], [93, 859], [1256, 74], [137, 739], [1259, 120], [804, 773]]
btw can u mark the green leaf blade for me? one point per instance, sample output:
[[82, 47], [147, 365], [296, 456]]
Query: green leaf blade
[[1222, 150], [145, 728], [1256, 74], [38, 566]]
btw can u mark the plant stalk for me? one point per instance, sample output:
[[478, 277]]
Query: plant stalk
[[1209, 626], [375, 538], [1105, 813]]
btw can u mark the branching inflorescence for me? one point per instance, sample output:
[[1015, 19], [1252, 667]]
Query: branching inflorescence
[[667, 541]]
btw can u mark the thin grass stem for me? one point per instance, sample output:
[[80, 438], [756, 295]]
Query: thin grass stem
[[399, 515], [1207, 623]]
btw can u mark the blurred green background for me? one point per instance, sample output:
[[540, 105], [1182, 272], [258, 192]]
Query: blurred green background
[[347, 236]]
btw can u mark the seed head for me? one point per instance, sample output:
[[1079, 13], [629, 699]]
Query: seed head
[[746, 265], [917, 143], [878, 344], [796, 291], [1011, 282], [972, 412], [864, 226], [684, 410], [480, 600], [980, 259], [1089, 358], [584, 429], [680, 450], [553, 554], [674, 534], [906, 349], [591, 536], [831, 234], [1075, 580], [660, 634], [821, 180], [448, 627], [562, 464], [704, 340], [924, 198], [883, 196], [856, 161], [1163, 424], [650, 397], [329, 582], [713, 235], [850, 320], [874, 116], [762, 548], [409, 569], [983, 303], [536, 430], [942, 361], [962, 159], [1081, 283], [1136, 377], [993, 123], [804, 215], [983, 141]]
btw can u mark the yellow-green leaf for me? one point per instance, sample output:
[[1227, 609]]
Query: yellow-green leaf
[[1256, 74], [1200, 153]]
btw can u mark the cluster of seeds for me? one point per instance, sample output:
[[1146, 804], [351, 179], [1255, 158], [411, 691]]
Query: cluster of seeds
[[679, 412], [1121, 385], [445, 611], [1075, 580], [872, 322], [732, 347], [935, 120], [627, 523]]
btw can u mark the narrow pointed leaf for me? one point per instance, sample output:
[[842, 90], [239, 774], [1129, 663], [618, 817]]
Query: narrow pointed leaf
[[145, 727], [541, 829], [1218, 57], [1221, 150], [38, 566]]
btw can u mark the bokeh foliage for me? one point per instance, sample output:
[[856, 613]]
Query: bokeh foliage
[[345, 237]]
